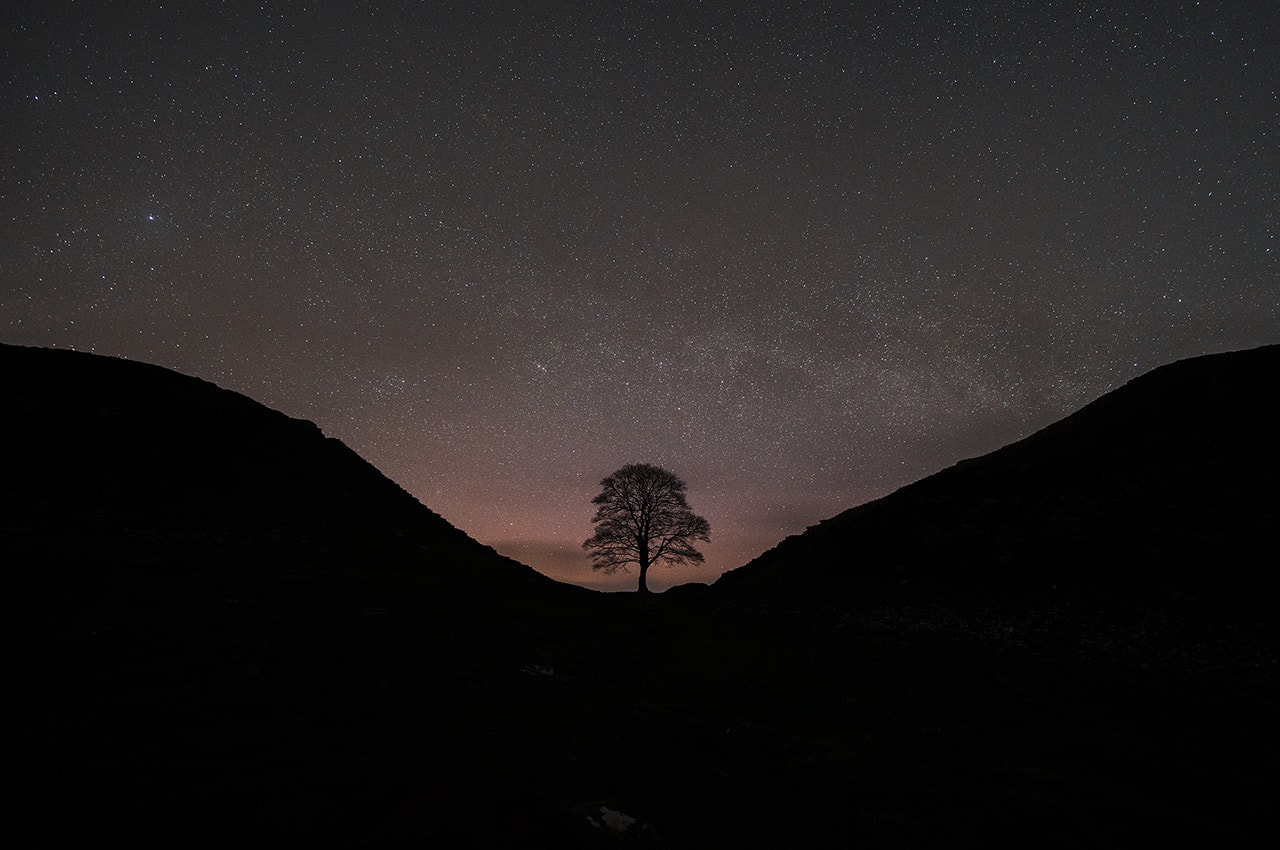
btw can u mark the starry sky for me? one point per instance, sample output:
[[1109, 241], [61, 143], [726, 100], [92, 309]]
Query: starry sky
[[801, 254]]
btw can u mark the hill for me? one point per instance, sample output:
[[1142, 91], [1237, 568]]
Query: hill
[[132, 465], [1163, 492]]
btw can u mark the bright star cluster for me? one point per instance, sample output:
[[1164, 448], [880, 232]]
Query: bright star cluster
[[801, 254]]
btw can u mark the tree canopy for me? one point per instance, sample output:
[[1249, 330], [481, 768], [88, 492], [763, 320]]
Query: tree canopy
[[643, 518]]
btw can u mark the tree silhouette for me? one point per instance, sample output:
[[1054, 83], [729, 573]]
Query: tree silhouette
[[643, 518]]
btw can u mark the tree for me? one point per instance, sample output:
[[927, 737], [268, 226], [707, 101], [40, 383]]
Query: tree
[[642, 518]]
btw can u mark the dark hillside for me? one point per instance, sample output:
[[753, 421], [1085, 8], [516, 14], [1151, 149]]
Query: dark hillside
[[1164, 491], [138, 465]]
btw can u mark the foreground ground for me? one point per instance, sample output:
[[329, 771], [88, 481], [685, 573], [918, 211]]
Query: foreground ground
[[306, 711]]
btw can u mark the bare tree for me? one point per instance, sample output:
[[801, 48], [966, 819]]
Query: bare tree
[[642, 518]]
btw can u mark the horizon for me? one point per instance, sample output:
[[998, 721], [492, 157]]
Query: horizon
[[624, 578], [801, 256]]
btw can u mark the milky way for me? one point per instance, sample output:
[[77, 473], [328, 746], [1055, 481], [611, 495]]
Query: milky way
[[801, 254]]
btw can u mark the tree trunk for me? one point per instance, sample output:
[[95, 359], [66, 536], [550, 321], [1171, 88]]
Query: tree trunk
[[644, 565]]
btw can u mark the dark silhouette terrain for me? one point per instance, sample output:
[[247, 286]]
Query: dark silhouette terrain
[[229, 628], [142, 466], [1165, 492]]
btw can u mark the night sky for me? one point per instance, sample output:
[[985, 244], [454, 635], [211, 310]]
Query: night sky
[[801, 254]]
